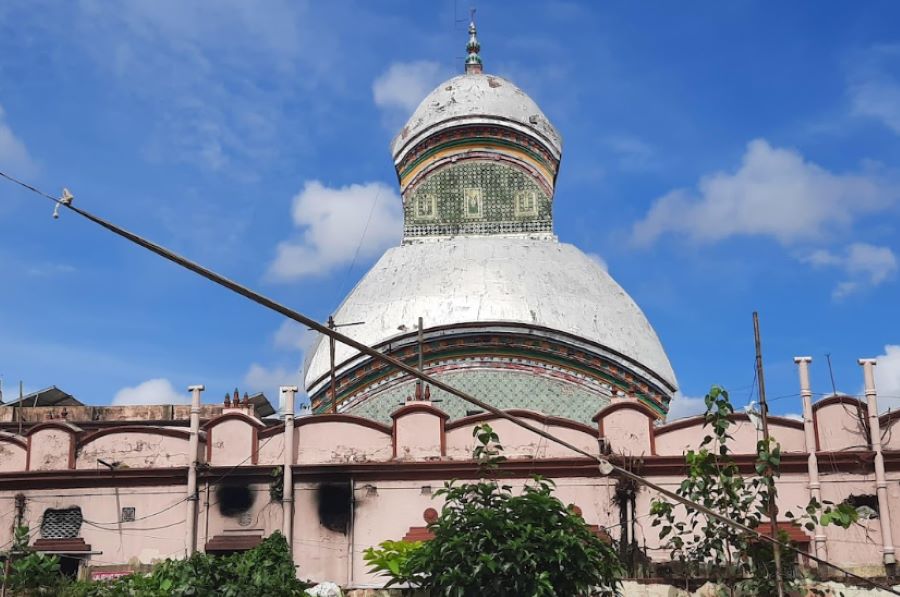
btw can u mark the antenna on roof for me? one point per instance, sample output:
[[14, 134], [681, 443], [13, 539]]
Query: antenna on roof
[[831, 373]]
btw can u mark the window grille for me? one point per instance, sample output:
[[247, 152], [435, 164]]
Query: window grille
[[61, 524]]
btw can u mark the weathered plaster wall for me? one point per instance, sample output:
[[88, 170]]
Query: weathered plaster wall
[[135, 450]]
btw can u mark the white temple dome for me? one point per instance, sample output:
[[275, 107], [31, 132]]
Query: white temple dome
[[543, 284], [472, 98]]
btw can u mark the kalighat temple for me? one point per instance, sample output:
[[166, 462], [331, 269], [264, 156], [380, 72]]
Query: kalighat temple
[[482, 295], [509, 313]]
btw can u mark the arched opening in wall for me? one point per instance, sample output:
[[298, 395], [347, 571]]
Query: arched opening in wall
[[60, 529], [866, 505], [335, 504], [234, 501]]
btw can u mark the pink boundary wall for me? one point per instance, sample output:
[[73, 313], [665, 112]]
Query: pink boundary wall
[[392, 471]]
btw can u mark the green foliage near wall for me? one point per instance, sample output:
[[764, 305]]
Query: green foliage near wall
[[709, 548], [268, 569], [489, 541]]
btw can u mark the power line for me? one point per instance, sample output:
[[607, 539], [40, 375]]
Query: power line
[[606, 468]]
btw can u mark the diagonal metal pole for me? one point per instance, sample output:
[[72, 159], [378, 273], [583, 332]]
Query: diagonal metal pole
[[605, 467]]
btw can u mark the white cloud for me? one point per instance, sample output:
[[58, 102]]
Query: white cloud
[[152, 391], [633, 154], [268, 380], [887, 378], [775, 192], [865, 266], [403, 85], [14, 156], [682, 406], [874, 91], [338, 225], [213, 76], [293, 336]]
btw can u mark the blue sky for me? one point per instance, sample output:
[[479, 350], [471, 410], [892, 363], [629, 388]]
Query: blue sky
[[721, 158]]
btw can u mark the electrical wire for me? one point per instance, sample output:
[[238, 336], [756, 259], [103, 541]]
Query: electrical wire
[[606, 468]]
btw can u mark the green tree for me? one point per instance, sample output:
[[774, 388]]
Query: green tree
[[489, 541], [709, 548]]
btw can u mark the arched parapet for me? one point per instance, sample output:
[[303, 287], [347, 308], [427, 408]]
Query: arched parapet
[[677, 437], [339, 438], [627, 427], [271, 445], [232, 439], [518, 442], [135, 446], [13, 452], [840, 424], [418, 432], [891, 436], [51, 446]]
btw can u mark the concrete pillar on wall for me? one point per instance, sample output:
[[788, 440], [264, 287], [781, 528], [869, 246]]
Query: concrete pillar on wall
[[812, 463], [419, 431], [289, 394], [194, 454], [884, 512]]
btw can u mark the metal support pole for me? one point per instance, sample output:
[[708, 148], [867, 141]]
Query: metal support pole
[[194, 455], [287, 494], [764, 412], [331, 349], [419, 385]]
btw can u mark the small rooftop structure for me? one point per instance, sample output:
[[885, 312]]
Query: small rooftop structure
[[51, 396]]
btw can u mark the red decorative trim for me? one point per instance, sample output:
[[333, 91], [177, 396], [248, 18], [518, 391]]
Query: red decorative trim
[[794, 532], [435, 331], [254, 457], [418, 534], [340, 418], [888, 417], [859, 462], [413, 406], [274, 430], [229, 543], [234, 415], [691, 421], [178, 432], [839, 400], [523, 414], [15, 439], [75, 545], [67, 427], [625, 405]]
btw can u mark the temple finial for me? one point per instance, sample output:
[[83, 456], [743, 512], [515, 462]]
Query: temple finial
[[473, 59]]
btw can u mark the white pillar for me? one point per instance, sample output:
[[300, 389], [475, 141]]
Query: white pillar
[[884, 513], [193, 454], [289, 394], [812, 461]]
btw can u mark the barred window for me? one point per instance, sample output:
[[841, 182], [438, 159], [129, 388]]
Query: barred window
[[61, 524]]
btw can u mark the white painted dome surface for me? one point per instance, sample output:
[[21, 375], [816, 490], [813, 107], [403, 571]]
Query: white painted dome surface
[[494, 279], [476, 97]]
